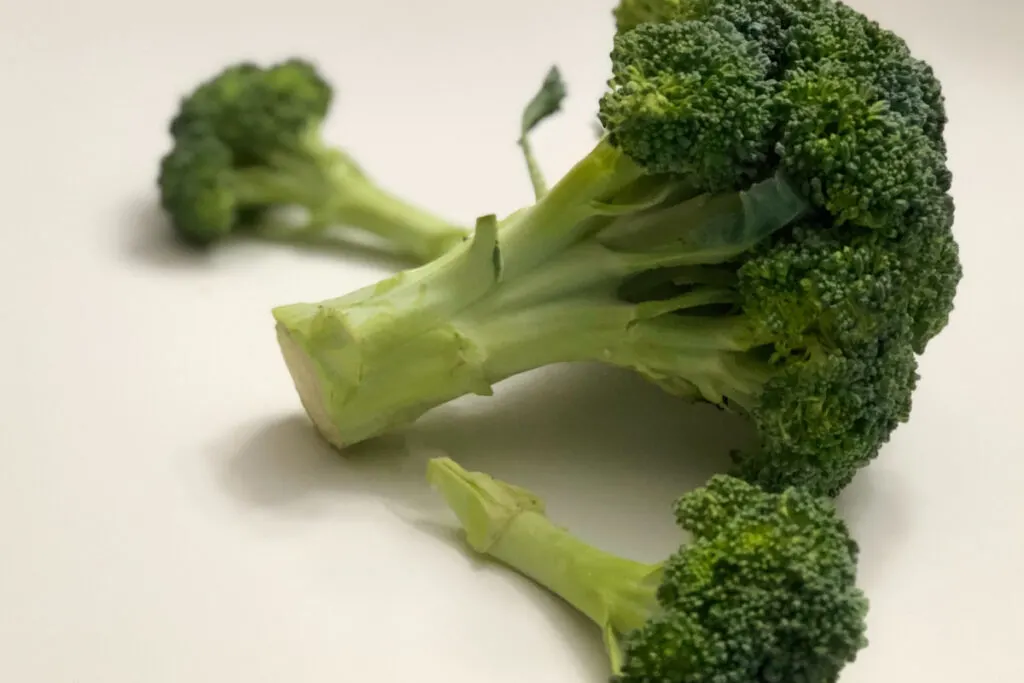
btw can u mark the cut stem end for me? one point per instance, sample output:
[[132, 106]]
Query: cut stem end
[[307, 382]]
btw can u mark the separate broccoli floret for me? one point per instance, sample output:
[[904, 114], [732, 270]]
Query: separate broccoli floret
[[764, 590], [769, 239], [248, 142]]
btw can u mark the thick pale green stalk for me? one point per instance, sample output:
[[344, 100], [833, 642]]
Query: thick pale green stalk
[[413, 301], [353, 393], [540, 289], [508, 523], [408, 302]]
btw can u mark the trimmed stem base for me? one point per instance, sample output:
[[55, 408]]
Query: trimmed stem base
[[309, 387]]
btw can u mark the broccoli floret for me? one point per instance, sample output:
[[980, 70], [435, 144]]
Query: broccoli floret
[[715, 133], [760, 228], [765, 22], [247, 143], [631, 13], [764, 589], [198, 184], [797, 33]]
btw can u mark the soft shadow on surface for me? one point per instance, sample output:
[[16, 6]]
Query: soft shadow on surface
[[148, 238], [576, 632], [607, 450], [285, 466]]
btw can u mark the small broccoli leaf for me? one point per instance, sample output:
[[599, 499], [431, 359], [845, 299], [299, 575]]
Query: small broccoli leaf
[[546, 102]]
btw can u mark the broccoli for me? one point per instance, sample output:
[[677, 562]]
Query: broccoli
[[764, 590], [631, 13], [765, 226], [247, 142], [796, 34]]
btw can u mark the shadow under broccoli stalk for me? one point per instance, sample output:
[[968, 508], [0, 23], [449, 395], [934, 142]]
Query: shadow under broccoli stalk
[[248, 143], [765, 229], [765, 590]]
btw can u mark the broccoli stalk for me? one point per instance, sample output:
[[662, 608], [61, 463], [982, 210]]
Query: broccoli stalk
[[248, 147], [465, 322], [508, 524], [335, 191], [764, 591], [765, 230], [324, 182]]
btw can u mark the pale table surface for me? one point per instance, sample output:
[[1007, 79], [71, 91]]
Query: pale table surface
[[167, 514]]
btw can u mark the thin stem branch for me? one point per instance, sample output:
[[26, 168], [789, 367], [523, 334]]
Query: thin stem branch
[[540, 187]]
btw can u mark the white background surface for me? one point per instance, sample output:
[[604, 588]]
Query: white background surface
[[167, 515]]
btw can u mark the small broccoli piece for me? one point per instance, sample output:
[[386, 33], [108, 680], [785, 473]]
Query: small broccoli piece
[[760, 228], [765, 589], [247, 143]]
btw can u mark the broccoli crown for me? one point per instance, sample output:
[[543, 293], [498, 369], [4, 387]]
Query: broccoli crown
[[845, 108], [795, 33], [825, 415], [690, 98], [258, 111], [207, 102], [233, 137], [813, 287], [196, 187], [840, 300], [766, 591], [850, 154], [820, 30]]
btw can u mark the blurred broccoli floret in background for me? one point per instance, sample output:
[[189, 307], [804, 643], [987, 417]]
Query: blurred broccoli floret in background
[[247, 144]]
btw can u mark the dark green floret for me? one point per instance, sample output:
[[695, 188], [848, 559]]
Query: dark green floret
[[690, 99], [200, 186]]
